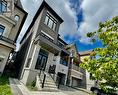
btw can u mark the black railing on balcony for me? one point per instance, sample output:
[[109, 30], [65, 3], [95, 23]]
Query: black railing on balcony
[[48, 38], [7, 40]]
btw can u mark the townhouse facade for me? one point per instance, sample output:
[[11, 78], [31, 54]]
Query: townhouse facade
[[42, 49], [76, 75], [89, 83], [12, 18]]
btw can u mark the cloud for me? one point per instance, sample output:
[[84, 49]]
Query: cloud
[[62, 7], [95, 11]]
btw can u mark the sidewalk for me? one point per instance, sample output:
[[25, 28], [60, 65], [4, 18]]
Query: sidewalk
[[18, 88]]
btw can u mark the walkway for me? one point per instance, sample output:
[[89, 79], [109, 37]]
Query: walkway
[[18, 88]]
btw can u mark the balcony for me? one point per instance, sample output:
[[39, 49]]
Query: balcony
[[7, 40], [47, 42]]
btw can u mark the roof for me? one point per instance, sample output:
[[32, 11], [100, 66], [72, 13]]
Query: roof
[[84, 53], [44, 4]]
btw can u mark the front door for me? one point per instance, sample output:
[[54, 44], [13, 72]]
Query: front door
[[42, 60]]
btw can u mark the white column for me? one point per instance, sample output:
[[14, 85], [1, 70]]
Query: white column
[[29, 73], [34, 56], [57, 64]]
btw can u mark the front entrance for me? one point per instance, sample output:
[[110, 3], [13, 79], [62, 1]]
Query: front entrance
[[61, 78], [42, 60]]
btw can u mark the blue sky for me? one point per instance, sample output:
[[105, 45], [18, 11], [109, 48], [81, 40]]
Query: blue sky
[[80, 17]]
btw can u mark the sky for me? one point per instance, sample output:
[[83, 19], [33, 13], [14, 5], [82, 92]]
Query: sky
[[80, 17]]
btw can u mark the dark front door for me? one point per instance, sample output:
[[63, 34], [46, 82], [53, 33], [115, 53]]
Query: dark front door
[[42, 60]]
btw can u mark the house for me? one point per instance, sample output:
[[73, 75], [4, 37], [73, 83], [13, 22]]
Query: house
[[76, 75], [12, 18], [89, 83], [42, 49]]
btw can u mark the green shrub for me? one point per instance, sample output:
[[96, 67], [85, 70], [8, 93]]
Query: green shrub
[[33, 84]]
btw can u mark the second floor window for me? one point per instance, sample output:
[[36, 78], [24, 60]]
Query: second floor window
[[50, 22], [2, 28], [3, 6]]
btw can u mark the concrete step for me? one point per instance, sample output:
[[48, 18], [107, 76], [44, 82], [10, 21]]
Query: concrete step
[[50, 86], [50, 83]]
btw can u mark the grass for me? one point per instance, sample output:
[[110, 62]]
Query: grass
[[4, 86]]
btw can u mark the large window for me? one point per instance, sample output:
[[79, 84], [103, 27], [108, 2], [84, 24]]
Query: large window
[[2, 28], [3, 6], [50, 22]]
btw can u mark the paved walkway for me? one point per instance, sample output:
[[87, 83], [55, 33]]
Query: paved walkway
[[18, 88]]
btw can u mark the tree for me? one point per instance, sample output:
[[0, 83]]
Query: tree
[[105, 67]]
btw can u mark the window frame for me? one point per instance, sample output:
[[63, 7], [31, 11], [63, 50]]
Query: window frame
[[17, 18], [2, 28], [49, 18], [3, 4]]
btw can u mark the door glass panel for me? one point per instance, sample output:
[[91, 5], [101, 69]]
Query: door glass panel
[[43, 62], [38, 64]]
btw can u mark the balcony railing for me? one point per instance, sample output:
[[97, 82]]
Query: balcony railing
[[77, 68], [48, 38], [7, 40], [45, 36]]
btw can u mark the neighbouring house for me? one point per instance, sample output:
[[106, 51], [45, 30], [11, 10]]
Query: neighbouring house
[[76, 75], [12, 18], [42, 49], [89, 83]]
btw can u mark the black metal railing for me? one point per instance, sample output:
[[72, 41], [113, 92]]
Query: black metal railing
[[48, 38], [43, 75], [7, 40], [56, 79]]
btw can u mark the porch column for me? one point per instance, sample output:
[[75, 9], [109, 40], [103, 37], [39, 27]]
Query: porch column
[[57, 61], [34, 56], [29, 74]]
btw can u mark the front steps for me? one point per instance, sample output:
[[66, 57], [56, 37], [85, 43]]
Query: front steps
[[49, 84]]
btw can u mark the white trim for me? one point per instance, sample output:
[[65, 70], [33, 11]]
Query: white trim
[[47, 35]]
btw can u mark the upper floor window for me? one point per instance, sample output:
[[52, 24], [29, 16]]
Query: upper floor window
[[3, 6], [2, 28], [16, 17], [50, 22]]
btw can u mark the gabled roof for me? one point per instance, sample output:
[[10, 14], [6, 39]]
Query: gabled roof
[[44, 4], [71, 45]]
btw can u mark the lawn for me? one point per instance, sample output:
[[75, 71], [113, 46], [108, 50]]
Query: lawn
[[4, 86]]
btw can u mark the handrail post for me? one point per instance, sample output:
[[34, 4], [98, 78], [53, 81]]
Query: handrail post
[[43, 80], [58, 82]]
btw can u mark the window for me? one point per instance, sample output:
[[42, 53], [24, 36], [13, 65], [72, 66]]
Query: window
[[2, 28], [16, 17], [50, 22], [3, 6]]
